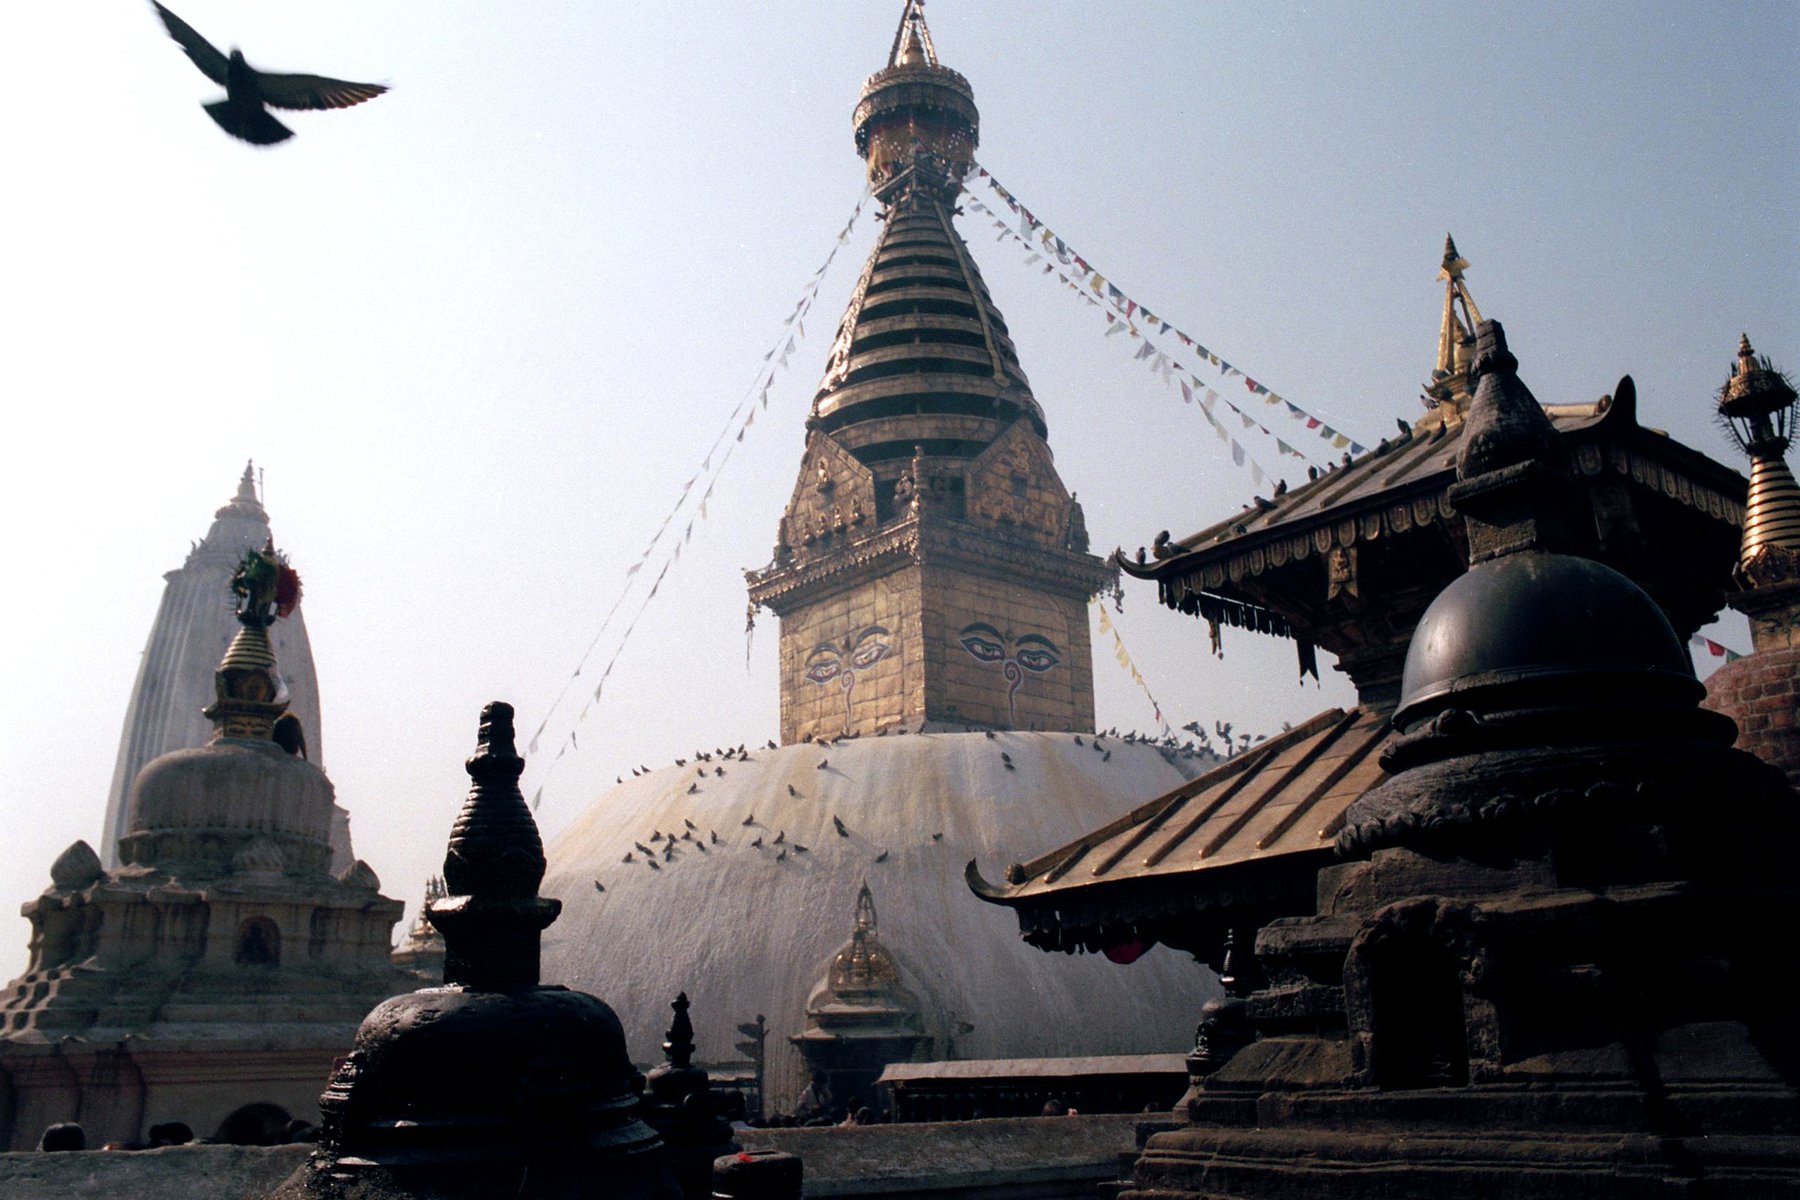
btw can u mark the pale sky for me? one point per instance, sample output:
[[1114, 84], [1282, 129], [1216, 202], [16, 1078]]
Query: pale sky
[[480, 330]]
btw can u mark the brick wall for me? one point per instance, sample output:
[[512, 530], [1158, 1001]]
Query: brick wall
[[1759, 692]]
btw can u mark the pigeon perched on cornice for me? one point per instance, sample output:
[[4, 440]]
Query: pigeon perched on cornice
[[247, 90]]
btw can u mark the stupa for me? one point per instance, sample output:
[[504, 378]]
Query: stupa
[[932, 580], [216, 973], [175, 676]]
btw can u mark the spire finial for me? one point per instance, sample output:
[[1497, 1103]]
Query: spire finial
[[1452, 386], [916, 123], [865, 910], [1757, 405], [493, 915], [912, 41], [678, 1042], [249, 693], [247, 484]]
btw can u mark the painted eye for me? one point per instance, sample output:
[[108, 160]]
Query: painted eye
[[824, 670], [983, 649], [1036, 660], [868, 654]]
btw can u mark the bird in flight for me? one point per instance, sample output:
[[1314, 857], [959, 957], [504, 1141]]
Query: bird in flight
[[247, 90]]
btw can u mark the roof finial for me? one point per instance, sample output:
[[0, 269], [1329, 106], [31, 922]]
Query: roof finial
[[493, 915], [249, 691], [1451, 388]]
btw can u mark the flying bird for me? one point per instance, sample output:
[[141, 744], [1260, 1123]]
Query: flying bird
[[242, 113], [937, 837], [842, 832]]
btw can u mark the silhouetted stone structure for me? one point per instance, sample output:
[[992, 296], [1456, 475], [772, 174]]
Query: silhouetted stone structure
[[491, 1085], [1541, 968], [679, 1105]]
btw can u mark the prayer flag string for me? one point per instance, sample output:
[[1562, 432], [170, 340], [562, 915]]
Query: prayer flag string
[[1127, 664], [1125, 314], [665, 547]]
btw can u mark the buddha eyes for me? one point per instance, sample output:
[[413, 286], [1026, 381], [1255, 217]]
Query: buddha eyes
[[830, 661], [1037, 659], [983, 649], [868, 654]]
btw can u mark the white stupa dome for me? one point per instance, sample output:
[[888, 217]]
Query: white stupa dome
[[745, 931]]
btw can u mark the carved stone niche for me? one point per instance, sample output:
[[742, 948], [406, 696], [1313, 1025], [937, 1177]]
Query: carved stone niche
[[1415, 1000]]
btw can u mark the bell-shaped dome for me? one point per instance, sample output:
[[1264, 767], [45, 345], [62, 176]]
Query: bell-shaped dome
[[193, 811], [1534, 621]]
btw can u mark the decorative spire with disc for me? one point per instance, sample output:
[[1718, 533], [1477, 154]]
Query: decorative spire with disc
[[250, 693], [916, 123], [1452, 386]]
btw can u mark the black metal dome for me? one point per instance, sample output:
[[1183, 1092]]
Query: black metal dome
[[1539, 623]]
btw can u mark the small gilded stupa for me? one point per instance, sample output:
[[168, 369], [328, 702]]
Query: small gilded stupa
[[215, 974], [861, 1016]]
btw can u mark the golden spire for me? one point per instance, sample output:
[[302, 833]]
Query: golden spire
[[1449, 391], [1757, 405], [916, 123], [912, 41]]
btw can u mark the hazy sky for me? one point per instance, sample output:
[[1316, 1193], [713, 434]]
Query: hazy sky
[[479, 331]]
